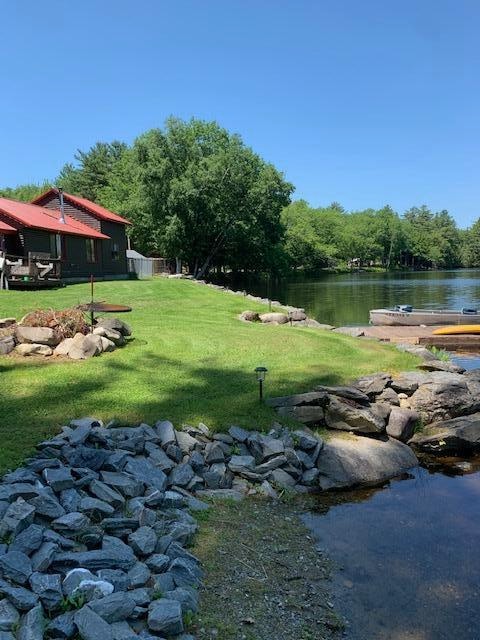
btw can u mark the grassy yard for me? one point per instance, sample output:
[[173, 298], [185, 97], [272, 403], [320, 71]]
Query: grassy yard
[[191, 360]]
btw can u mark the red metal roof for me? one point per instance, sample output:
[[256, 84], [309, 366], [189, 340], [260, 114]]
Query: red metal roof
[[31, 215], [95, 209], [6, 228]]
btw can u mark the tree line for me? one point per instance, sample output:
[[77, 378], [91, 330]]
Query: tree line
[[198, 196]]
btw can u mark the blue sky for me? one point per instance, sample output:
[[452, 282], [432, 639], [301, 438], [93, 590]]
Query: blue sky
[[363, 102]]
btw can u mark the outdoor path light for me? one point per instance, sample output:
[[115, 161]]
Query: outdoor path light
[[261, 374]]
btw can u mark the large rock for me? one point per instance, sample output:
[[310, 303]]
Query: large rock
[[83, 347], [32, 625], [36, 335], [352, 417], [355, 461], [457, 436], [373, 384], [165, 617], [114, 607], [401, 423], [311, 398], [273, 317], [308, 415], [7, 345], [116, 325], [445, 396], [63, 348], [250, 316], [408, 381], [350, 393], [28, 349], [91, 626]]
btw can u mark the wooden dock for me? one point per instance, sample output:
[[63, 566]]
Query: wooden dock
[[423, 336]]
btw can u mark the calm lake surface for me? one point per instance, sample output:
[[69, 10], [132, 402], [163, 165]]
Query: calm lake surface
[[345, 299], [407, 565], [407, 554]]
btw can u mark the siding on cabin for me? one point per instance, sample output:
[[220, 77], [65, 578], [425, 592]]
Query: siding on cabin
[[117, 235], [76, 212]]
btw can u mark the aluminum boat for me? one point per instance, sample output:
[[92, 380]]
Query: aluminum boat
[[408, 316]]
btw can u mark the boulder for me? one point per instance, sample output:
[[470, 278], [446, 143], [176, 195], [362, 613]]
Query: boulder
[[408, 381], [32, 625], [36, 335], [273, 317], [91, 626], [440, 365], [351, 461], [457, 436], [351, 417], [7, 322], [9, 616], [401, 423], [29, 349], [63, 348], [353, 332], [310, 416], [445, 396], [114, 607], [373, 384], [165, 617], [350, 393], [297, 315], [311, 398], [107, 344], [116, 324], [7, 345], [250, 316]]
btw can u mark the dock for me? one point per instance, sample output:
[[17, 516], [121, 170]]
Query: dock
[[423, 336]]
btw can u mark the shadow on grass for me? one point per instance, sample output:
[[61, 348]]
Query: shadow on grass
[[145, 388]]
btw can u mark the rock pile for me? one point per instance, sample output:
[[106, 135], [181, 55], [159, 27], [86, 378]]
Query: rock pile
[[107, 335], [296, 317]]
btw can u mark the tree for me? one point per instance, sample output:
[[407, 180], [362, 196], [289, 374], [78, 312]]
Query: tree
[[206, 198], [470, 245], [25, 192]]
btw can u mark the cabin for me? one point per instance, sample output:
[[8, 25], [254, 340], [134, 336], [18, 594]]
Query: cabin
[[59, 237]]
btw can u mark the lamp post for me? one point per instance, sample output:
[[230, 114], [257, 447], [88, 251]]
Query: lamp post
[[261, 373]]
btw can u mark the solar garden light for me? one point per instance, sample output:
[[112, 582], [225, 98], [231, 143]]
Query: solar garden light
[[261, 374]]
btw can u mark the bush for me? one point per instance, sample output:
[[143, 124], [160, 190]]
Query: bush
[[65, 324]]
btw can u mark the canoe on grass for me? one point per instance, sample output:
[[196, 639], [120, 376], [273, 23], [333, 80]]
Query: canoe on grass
[[461, 328]]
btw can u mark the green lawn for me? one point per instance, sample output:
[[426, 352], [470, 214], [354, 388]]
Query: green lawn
[[191, 360]]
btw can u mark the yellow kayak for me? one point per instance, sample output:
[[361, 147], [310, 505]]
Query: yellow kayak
[[456, 329]]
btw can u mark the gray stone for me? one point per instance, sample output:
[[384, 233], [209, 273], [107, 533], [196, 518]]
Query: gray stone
[[175, 453], [185, 441], [457, 436], [147, 472], [282, 479], [139, 575], [440, 365], [271, 447], [47, 505], [188, 599], [355, 460], [311, 416], [87, 457], [349, 393], [163, 582], [165, 616], [18, 517], [48, 587], [374, 384], [63, 347], [353, 332], [143, 541], [29, 540], [158, 457], [35, 335], [103, 492], [271, 464], [21, 598], [445, 396], [158, 562], [221, 494], [95, 506], [112, 557], [7, 345], [347, 417], [166, 432], [32, 625], [9, 616], [62, 627], [408, 382], [123, 631], [214, 453], [273, 317], [33, 350], [185, 572], [238, 464], [267, 490], [73, 579], [15, 490], [389, 396], [311, 398], [238, 434], [115, 324], [119, 579], [16, 566], [91, 626], [43, 558], [71, 522], [115, 607], [181, 475], [58, 479], [401, 423], [123, 482], [310, 476], [56, 538]]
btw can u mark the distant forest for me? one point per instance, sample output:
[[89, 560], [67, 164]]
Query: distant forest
[[196, 193]]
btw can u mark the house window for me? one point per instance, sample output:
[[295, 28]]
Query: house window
[[56, 245], [91, 250], [115, 252]]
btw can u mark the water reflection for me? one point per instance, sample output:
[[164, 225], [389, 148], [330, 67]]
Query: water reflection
[[407, 556], [347, 298]]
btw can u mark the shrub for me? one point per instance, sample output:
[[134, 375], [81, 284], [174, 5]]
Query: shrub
[[65, 324]]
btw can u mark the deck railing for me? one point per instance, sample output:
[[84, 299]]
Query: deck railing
[[37, 267]]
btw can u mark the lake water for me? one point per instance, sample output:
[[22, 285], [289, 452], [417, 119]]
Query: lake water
[[407, 565], [345, 299]]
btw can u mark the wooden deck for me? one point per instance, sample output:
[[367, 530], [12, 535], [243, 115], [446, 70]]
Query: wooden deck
[[423, 336]]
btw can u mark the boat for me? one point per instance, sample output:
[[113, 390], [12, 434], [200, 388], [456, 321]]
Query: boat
[[465, 329], [406, 315]]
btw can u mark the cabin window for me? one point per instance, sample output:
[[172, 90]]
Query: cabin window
[[115, 252], [91, 250], [56, 245]]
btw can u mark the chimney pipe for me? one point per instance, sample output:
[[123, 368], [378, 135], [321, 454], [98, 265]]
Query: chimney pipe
[[62, 206]]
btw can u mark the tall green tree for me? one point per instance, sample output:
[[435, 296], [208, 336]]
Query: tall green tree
[[25, 192]]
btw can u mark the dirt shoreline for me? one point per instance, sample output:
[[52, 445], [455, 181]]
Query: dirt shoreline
[[264, 578]]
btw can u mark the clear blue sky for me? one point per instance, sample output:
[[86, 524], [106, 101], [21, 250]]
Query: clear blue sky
[[365, 102]]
